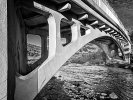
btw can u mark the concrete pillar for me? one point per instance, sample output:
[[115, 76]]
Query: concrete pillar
[[11, 50], [3, 49]]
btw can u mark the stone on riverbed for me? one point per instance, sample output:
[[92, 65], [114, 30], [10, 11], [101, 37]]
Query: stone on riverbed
[[103, 94], [102, 97], [113, 96]]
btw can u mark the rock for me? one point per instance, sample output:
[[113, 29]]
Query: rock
[[102, 97], [97, 93], [44, 98], [113, 96], [126, 67], [103, 94]]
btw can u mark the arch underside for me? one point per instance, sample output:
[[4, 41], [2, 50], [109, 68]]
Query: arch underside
[[111, 47]]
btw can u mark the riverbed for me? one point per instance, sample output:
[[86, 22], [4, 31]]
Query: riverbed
[[85, 76], [82, 82]]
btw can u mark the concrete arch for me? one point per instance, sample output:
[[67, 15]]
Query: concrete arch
[[112, 41]]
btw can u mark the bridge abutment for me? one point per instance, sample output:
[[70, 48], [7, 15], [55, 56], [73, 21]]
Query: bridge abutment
[[3, 49]]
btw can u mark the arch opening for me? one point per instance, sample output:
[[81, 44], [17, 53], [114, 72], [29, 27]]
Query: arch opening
[[33, 38], [111, 47]]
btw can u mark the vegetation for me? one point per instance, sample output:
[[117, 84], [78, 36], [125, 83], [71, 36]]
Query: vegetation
[[89, 54], [57, 89]]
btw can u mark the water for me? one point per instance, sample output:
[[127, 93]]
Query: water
[[94, 83]]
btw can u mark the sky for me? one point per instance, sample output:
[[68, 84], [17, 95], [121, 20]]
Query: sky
[[34, 39], [124, 10]]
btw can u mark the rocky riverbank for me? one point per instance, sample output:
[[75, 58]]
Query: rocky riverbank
[[86, 77], [77, 82]]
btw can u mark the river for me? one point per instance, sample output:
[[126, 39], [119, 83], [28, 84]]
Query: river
[[81, 82]]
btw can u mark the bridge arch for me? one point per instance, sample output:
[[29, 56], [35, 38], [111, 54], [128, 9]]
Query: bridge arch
[[112, 41]]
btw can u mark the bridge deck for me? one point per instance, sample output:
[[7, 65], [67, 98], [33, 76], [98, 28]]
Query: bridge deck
[[104, 9], [103, 6]]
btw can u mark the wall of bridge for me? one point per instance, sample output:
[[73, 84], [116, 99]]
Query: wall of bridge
[[3, 49], [104, 5]]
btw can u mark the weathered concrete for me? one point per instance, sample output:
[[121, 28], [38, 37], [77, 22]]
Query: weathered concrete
[[3, 49]]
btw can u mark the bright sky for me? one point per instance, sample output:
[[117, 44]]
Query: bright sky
[[34, 39]]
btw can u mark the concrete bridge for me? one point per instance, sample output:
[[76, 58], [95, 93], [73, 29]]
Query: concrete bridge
[[38, 36]]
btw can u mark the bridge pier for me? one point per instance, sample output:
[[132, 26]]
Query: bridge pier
[[3, 50]]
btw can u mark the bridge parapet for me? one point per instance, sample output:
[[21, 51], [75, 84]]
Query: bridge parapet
[[104, 5]]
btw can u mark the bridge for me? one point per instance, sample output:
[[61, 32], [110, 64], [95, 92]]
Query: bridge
[[39, 36]]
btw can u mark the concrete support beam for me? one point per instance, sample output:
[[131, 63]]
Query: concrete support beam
[[94, 23], [65, 7], [85, 16], [108, 29], [111, 32], [103, 26]]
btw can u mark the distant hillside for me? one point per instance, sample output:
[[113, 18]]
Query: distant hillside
[[90, 54], [33, 53]]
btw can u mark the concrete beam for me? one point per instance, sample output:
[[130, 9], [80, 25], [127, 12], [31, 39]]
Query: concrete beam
[[111, 32], [85, 16], [65, 7], [94, 23], [103, 26], [108, 29]]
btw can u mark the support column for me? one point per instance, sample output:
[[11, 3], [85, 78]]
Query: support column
[[11, 50], [3, 49]]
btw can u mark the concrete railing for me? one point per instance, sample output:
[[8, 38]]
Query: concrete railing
[[104, 5]]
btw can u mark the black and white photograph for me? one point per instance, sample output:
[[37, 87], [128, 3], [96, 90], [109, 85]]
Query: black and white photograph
[[66, 49]]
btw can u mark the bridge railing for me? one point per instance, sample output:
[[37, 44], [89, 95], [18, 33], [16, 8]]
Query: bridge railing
[[104, 5]]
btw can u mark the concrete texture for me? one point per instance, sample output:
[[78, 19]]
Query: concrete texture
[[3, 49]]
